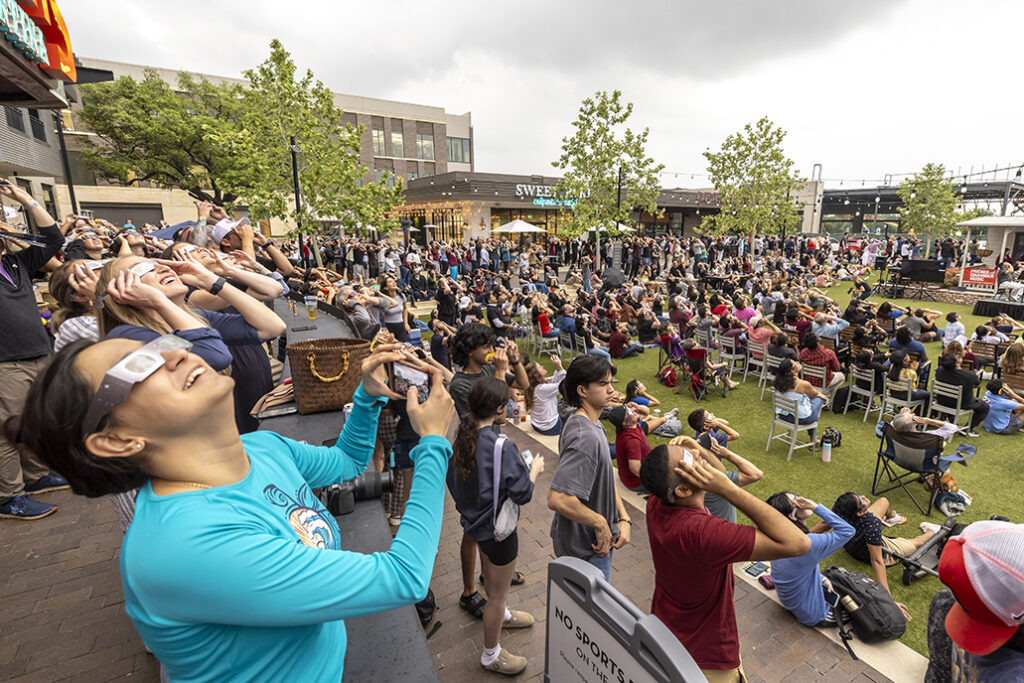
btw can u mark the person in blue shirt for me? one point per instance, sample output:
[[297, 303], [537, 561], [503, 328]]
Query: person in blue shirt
[[904, 339], [798, 580], [1005, 409], [232, 569]]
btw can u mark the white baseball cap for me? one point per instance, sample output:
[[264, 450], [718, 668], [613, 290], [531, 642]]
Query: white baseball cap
[[224, 226]]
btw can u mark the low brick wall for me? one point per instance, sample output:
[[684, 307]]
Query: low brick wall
[[952, 296]]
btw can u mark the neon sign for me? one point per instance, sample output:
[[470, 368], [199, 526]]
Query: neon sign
[[551, 201], [37, 29]]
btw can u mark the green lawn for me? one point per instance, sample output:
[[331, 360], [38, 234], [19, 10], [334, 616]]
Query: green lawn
[[992, 477]]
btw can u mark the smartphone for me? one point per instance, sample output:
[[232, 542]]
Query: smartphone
[[832, 599], [402, 377], [277, 411], [756, 569]]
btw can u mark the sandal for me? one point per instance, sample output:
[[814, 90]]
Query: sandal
[[517, 579], [474, 604]]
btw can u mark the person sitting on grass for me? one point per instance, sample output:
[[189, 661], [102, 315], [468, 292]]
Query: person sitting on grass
[[798, 580], [636, 393], [867, 519], [631, 445], [1005, 408], [705, 422], [620, 345]]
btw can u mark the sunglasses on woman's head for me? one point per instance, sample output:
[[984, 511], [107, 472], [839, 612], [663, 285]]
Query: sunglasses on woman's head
[[129, 371]]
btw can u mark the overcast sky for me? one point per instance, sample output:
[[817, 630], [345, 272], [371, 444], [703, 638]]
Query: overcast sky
[[865, 88]]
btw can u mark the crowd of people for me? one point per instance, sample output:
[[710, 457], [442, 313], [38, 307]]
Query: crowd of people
[[231, 566]]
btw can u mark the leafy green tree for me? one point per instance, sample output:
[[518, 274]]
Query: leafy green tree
[[279, 106], [146, 131], [929, 204], [755, 182], [606, 173]]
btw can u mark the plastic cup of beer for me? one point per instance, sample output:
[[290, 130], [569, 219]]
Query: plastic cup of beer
[[311, 307]]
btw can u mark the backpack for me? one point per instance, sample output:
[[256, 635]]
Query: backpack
[[832, 436], [668, 376], [875, 617], [839, 400]]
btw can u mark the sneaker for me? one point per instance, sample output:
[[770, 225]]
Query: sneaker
[[506, 663], [971, 433], [672, 413], [24, 507], [474, 604], [928, 526], [518, 620], [51, 482], [895, 520]]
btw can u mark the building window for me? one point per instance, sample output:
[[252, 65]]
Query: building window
[[15, 119], [425, 146], [49, 199], [458, 150], [378, 143], [397, 144], [38, 127]]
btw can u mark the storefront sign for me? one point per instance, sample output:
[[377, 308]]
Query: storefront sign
[[524, 190], [979, 277], [596, 635], [551, 201], [37, 28]]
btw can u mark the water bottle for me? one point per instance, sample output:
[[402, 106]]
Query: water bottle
[[515, 414], [826, 451]]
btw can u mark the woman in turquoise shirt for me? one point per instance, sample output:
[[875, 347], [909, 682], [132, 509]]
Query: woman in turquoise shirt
[[232, 569]]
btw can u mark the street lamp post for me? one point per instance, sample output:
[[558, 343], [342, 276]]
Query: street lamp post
[[295, 149], [874, 220]]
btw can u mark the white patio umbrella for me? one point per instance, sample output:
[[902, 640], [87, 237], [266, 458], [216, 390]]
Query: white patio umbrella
[[518, 225], [621, 227]]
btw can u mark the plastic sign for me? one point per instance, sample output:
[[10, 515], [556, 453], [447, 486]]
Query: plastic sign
[[37, 28], [979, 277], [596, 635]]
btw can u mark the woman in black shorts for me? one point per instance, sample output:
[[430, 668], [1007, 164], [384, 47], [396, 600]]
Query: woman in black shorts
[[471, 483]]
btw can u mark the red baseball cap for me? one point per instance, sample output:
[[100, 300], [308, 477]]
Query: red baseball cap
[[984, 567]]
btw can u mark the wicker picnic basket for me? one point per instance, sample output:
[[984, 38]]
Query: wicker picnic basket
[[326, 372]]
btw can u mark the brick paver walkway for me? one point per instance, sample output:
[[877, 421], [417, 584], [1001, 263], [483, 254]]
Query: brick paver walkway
[[774, 646], [62, 613]]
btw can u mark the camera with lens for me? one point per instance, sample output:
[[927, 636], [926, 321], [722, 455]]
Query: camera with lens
[[340, 499]]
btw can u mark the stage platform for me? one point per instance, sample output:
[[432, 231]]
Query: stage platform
[[993, 307]]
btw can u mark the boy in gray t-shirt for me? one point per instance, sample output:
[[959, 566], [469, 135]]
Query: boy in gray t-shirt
[[585, 471]]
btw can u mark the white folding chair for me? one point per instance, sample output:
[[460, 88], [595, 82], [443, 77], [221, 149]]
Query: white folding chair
[[788, 431]]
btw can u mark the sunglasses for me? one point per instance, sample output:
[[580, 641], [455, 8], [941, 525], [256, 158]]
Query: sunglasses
[[96, 265], [88, 235], [129, 371]]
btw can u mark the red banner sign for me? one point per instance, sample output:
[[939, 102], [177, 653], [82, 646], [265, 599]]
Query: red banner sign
[[979, 277]]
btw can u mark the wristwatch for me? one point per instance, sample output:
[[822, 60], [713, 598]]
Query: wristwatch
[[217, 285]]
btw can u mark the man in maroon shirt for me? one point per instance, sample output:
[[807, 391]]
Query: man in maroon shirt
[[693, 552]]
